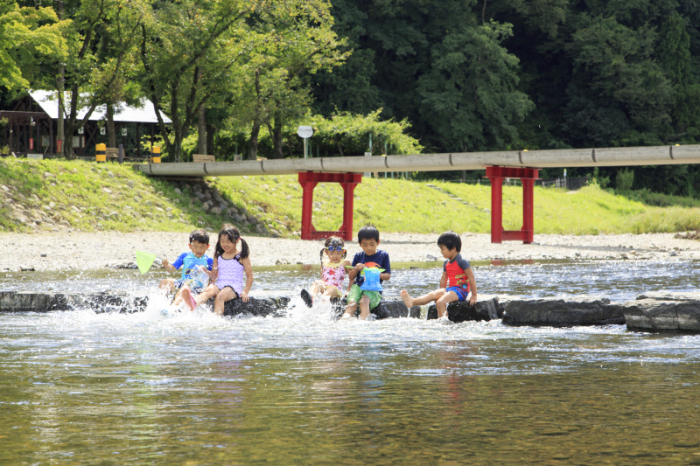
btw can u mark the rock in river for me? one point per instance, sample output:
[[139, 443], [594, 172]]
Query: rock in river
[[458, 312], [664, 311], [559, 313]]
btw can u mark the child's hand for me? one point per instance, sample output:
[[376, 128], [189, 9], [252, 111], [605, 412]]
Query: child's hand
[[165, 263], [244, 297], [473, 299], [359, 267], [211, 273]]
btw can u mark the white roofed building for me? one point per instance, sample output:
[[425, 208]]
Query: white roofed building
[[31, 126]]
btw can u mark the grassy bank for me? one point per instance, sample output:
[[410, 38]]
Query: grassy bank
[[60, 195]]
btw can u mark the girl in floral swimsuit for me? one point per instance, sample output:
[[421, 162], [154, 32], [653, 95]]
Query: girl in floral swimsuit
[[332, 271], [230, 265]]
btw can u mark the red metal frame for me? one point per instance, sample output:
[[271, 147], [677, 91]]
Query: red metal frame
[[528, 177], [308, 181]]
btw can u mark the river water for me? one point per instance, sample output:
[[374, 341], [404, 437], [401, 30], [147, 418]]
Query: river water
[[84, 388]]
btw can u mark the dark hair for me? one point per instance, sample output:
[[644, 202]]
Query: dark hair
[[199, 236], [368, 232], [450, 240], [333, 241], [233, 236]]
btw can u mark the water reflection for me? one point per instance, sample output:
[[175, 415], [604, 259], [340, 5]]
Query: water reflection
[[78, 387]]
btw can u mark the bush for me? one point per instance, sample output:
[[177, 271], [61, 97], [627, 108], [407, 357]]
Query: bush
[[624, 180]]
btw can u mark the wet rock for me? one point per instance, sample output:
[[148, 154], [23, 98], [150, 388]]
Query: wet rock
[[118, 301], [664, 311], [486, 310], [255, 307], [394, 309], [560, 313], [215, 210], [258, 229]]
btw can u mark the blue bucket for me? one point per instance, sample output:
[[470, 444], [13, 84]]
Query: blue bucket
[[371, 282]]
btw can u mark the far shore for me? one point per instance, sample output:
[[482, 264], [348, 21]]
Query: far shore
[[80, 250]]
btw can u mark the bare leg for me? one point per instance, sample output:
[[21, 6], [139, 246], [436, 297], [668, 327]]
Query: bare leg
[[442, 303], [425, 299], [224, 295], [188, 298], [317, 288], [364, 307], [332, 292], [208, 293], [167, 284], [350, 310], [178, 298]]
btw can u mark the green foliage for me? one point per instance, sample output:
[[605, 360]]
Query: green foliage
[[470, 94], [27, 36], [350, 134], [624, 180]]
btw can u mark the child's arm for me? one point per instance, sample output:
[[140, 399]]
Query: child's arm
[[212, 274], [443, 280], [168, 266], [472, 285], [351, 277], [248, 269], [384, 276]]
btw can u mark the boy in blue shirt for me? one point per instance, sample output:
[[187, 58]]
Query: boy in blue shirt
[[191, 282], [368, 237]]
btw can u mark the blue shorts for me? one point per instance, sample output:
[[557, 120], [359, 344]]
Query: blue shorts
[[460, 292], [194, 287]]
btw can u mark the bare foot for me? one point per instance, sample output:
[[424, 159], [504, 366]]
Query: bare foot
[[407, 300], [189, 299]]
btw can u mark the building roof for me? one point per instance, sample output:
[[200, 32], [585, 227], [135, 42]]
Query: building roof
[[123, 113]]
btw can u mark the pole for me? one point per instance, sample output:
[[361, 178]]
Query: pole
[[304, 147]]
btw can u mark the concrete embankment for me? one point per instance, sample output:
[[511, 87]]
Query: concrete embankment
[[652, 311]]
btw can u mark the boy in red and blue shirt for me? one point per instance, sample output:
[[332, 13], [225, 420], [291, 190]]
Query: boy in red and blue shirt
[[457, 279]]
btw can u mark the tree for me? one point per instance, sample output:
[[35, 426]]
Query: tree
[[27, 36], [470, 94], [615, 63], [100, 37]]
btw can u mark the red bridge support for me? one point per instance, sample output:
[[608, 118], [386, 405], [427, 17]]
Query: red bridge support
[[308, 181], [528, 177]]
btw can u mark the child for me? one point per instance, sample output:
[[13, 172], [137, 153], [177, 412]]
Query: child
[[229, 267], [368, 237], [456, 281], [190, 263], [332, 271]]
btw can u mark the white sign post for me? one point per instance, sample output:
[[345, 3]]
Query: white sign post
[[305, 132]]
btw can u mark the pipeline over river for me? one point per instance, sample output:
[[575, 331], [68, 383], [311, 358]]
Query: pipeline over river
[[606, 157]]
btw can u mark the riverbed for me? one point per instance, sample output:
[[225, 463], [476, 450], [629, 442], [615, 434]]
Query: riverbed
[[79, 387]]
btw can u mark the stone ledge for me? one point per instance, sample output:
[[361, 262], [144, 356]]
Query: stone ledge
[[556, 312], [486, 310]]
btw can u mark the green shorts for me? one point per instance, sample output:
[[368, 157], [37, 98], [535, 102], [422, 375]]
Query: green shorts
[[355, 293]]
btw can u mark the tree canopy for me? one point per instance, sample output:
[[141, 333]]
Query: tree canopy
[[436, 76]]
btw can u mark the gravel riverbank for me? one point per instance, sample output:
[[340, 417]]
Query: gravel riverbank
[[76, 250]]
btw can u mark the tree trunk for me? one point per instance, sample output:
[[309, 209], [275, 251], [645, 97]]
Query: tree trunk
[[254, 132], [210, 138], [202, 132], [60, 130], [111, 130], [277, 138]]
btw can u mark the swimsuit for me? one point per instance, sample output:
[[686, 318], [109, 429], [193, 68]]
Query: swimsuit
[[457, 279], [333, 275], [189, 262], [230, 274]]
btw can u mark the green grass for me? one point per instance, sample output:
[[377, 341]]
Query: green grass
[[139, 203]]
